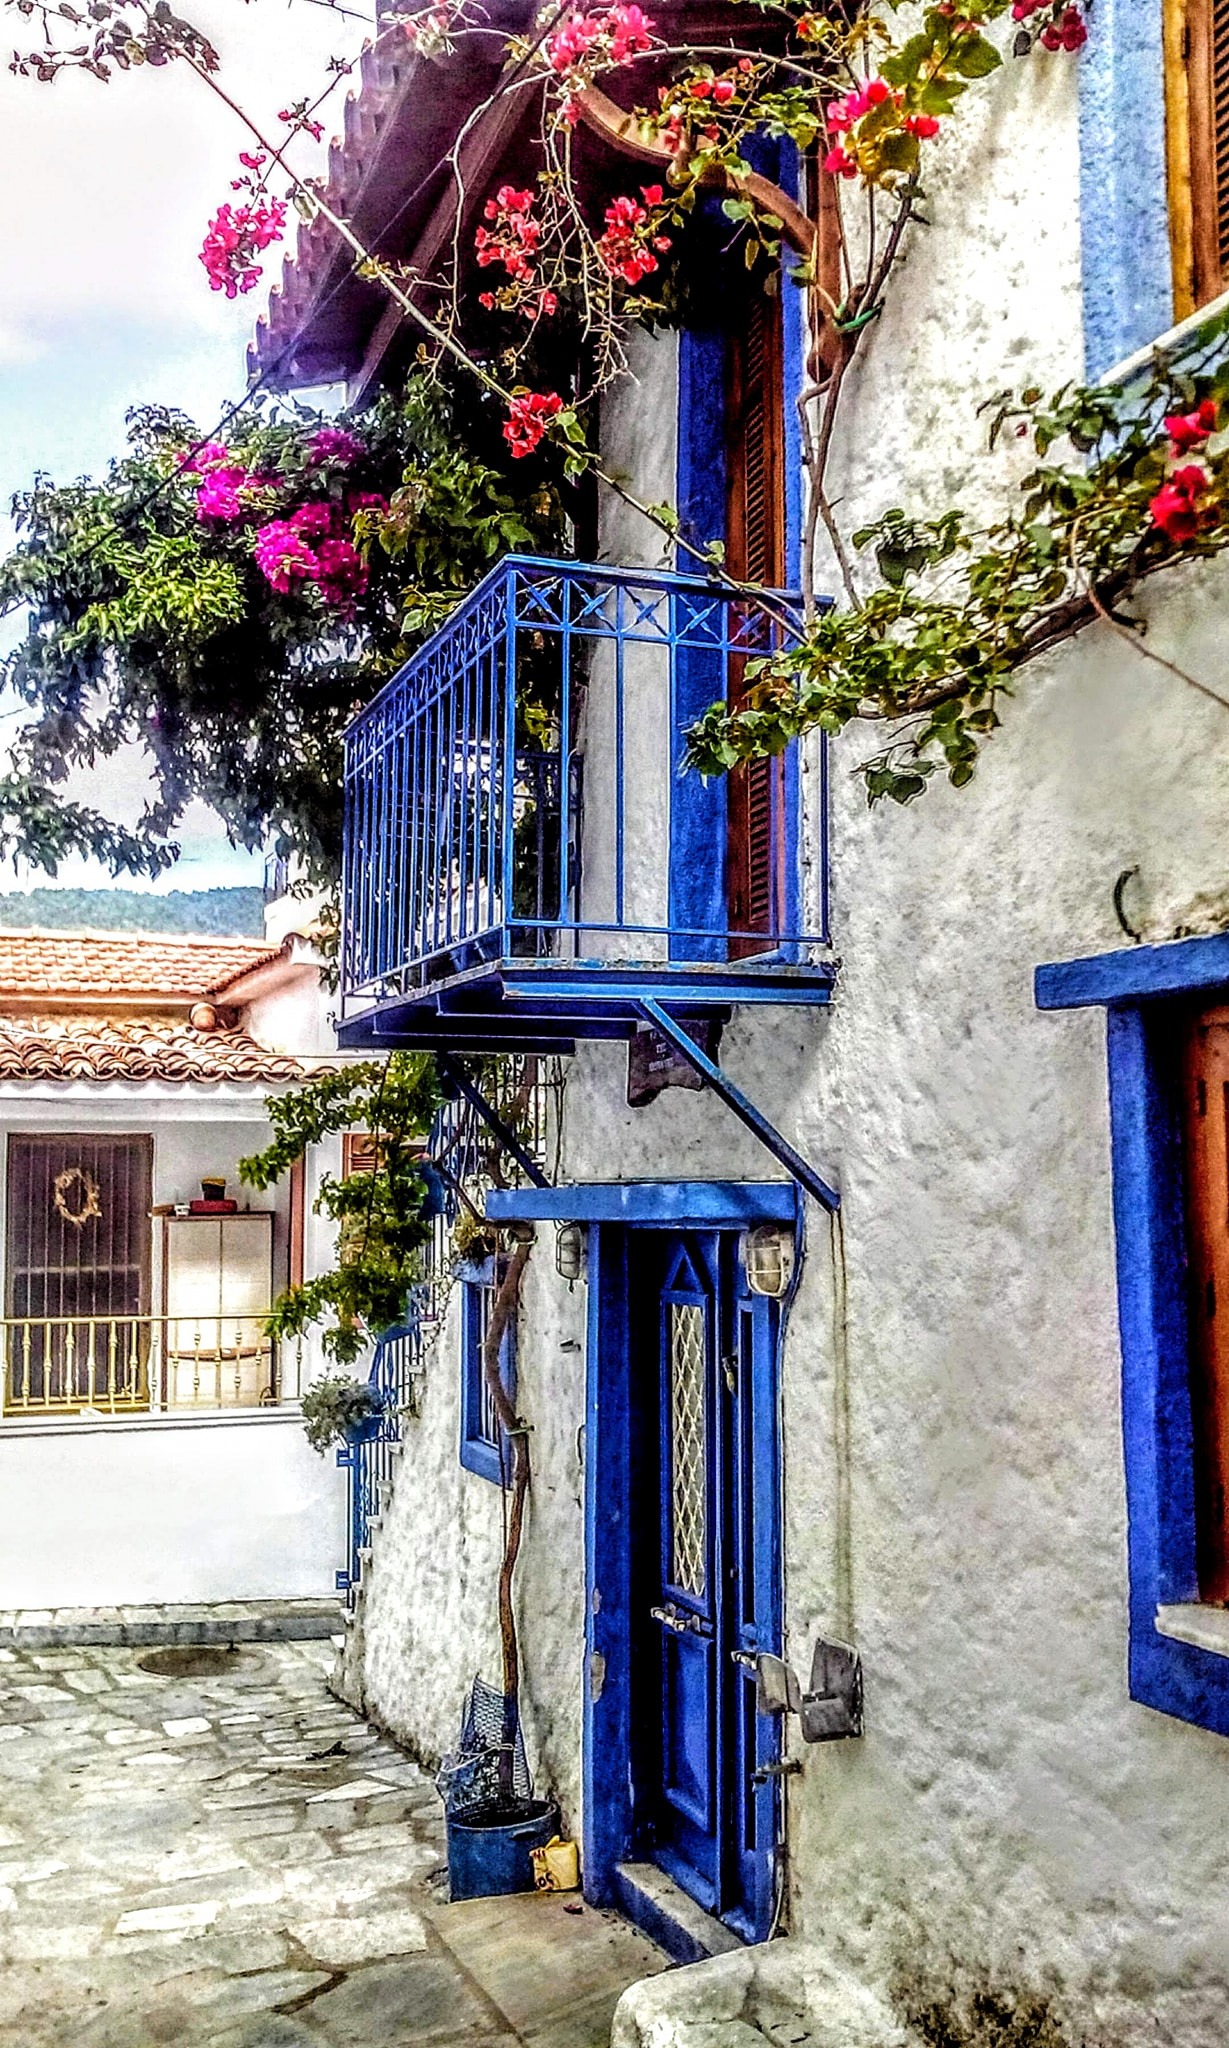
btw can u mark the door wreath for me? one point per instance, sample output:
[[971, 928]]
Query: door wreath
[[77, 1182]]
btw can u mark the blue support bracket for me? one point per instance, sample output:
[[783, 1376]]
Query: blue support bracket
[[720, 1083], [507, 1138]]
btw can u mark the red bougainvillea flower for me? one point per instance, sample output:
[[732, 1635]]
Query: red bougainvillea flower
[[283, 556], [843, 113], [627, 245], [514, 237], [334, 444], [839, 164], [1189, 430], [298, 117], [1067, 33], [921, 125], [529, 415], [1176, 508], [236, 237]]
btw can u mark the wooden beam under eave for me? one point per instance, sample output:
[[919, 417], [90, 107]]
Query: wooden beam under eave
[[465, 191]]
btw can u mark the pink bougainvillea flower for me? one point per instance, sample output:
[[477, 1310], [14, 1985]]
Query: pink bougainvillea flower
[[1177, 507], [839, 164], [529, 415], [217, 496], [236, 237], [1189, 430], [314, 518], [298, 117], [283, 556], [340, 572], [616, 33], [366, 501], [334, 444], [514, 236], [630, 32], [210, 455]]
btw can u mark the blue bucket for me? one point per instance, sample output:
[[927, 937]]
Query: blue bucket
[[489, 1857]]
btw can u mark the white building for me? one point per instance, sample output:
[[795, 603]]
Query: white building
[[151, 1448], [980, 1439]]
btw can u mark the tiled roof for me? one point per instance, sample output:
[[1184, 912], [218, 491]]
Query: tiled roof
[[138, 1049], [133, 964]]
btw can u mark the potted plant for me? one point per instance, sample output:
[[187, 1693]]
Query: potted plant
[[341, 1410]]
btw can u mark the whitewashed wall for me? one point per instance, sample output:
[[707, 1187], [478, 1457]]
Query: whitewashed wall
[[953, 1466], [166, 1509]]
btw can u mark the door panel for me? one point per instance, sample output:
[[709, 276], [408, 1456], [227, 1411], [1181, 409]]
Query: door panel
[[708, 1587]]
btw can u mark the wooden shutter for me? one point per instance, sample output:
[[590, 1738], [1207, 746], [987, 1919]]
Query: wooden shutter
[[755, 553], [1197, 128], [1206, 1103]]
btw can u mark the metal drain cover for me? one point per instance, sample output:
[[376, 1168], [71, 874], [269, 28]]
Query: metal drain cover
[[194, 1660]]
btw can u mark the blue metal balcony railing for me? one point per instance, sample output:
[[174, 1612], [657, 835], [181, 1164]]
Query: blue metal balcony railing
[[514, 793]]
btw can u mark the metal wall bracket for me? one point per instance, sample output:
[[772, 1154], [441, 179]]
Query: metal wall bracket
[[720, 1083], [831, 1709], [455, 1076]]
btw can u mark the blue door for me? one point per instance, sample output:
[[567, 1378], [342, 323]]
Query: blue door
[[710, 1576]]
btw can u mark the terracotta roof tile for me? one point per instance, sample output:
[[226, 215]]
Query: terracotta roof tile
[[133, 964], [138, 1049]]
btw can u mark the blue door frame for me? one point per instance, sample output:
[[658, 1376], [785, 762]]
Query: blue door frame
[[615, 1212]]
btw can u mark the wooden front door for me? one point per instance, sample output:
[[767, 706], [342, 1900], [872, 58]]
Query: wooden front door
[[78, 1270], [755, 553]]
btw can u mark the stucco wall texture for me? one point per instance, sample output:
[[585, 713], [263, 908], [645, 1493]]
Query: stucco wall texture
[[952, 1457]]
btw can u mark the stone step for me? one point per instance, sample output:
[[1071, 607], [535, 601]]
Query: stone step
[[232, 1621], [663, 1911]]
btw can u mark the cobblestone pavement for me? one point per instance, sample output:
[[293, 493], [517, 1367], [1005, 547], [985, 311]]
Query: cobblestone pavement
[[236, 1860]]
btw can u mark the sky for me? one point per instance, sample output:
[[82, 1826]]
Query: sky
[[109, 189]]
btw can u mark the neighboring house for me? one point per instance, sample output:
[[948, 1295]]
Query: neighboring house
[[150, 1442], [915, 1444]]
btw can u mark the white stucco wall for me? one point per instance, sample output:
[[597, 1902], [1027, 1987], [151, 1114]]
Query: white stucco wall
[[166, 1509], [952, 1437]]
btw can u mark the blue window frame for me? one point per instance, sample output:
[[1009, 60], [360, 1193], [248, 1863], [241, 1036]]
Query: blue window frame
[[1144, 991], [483, 1443], [1124, 193]]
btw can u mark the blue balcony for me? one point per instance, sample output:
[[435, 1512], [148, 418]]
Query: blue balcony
[[525, 861]]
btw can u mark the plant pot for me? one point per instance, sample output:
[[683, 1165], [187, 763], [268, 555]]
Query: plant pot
[[367, 1430], [489, 1854]]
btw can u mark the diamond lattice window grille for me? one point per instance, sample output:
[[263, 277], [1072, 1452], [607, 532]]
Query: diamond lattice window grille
[[688, 1447]]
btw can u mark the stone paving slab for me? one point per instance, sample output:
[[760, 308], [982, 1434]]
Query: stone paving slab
[[240, 1621], [238, 1861]]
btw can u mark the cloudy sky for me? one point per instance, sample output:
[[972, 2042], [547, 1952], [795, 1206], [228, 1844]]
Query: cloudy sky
[[105, 304]]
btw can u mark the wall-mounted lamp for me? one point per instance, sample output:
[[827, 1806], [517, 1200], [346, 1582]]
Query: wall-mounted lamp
[[768, 1257], [570, 1252]]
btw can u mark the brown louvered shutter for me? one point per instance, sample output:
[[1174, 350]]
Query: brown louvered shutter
[[1206, 1103], [1197, 124], [755, 553]]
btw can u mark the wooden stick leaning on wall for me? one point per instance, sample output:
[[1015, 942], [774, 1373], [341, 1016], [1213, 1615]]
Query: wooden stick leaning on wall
[[503, 1310]]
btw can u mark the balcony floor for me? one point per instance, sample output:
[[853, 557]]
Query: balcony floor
[[545, 1006]]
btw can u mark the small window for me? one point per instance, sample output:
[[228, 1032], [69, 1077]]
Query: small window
[[1197, 132], [484, 1447]]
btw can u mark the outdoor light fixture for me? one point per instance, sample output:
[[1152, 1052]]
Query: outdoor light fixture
[[570, 1252], [768, 1256]]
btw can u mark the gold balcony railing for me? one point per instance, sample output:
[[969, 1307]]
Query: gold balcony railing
[[131, 1365]]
